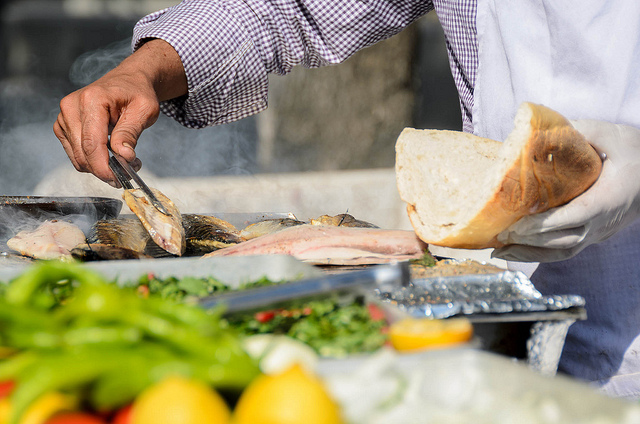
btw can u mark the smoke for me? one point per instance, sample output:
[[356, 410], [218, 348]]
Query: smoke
[[29, 150], [168, 149], [90, 66]]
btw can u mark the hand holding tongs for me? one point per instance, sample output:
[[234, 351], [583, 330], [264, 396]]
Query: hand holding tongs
[[124, 172]]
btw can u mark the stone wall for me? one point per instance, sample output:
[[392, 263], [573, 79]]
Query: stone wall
[[348, 116]]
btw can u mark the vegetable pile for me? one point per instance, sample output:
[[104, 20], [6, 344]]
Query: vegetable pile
[[103, 344], [333, 326]]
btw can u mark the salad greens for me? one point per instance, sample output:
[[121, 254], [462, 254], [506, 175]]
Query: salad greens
[[333, 326]]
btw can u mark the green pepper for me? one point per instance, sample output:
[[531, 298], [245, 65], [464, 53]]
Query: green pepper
[[22, 289]]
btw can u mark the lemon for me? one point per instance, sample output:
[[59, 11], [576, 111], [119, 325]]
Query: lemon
[[42, 408], [179, 400], [414, 334], [293, 396]]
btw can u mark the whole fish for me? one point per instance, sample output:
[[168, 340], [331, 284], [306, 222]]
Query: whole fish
[[165, 230], [126, 233], [205, 233]]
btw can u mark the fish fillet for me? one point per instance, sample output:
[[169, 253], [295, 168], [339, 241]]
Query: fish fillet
[[333, 245], [51, 240], [165, 230]]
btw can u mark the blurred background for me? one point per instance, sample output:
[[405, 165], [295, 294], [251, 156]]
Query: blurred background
[[324, 146], [341, 117]]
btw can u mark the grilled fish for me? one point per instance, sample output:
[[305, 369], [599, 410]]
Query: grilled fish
[[268, 226], [126, 233], [51, 240], [341, 220], [105, 252], [204, 234], [332, 245], [165, 230]]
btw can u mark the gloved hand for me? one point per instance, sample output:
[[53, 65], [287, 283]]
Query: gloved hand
[[609, 205]]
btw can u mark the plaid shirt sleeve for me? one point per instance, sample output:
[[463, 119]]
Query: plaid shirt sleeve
[[228, 47]]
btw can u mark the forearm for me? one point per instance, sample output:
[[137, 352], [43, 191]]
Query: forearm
[[159, 64], [162, 65], [228, 48]]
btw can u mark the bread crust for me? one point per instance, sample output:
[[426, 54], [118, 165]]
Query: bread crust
[[555, 165]]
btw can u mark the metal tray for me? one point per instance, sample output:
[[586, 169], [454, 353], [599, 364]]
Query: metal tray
[[26, 212], [47, 206]]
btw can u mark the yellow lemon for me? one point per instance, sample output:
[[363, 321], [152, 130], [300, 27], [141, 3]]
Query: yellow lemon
[[179, 400], [46, 406], [293, 396], [5, 410], [414, 334]]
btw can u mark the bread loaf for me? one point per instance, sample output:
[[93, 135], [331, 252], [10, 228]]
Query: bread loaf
[[462, 190]]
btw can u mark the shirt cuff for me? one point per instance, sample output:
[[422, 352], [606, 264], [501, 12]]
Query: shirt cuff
[[227, 79]]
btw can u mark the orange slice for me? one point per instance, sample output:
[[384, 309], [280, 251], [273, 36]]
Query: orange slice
[[415, 333]]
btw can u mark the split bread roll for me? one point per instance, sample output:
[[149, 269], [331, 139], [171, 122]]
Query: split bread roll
[[462, 190]]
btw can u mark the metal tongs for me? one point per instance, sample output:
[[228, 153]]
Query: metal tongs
[[261, 297], [124, 173]]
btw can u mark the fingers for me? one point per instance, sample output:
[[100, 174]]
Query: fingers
[[139, 115], [94, 155], [575, 214], [84, 123], [518, 253], [82, 128], [561, 239]]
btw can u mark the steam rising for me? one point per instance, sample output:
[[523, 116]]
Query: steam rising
[[168, 149], [29, 151]]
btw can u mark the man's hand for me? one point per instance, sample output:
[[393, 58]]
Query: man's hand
[[612, 203], [116, 108]]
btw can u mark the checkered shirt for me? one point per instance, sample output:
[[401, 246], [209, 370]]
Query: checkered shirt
[[228, 47]]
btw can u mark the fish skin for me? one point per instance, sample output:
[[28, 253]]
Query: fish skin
[[127, 233], [105, 252], [53, 239], [321, 244], [268, 226], [342, 220], [165, 230], [206, 233]]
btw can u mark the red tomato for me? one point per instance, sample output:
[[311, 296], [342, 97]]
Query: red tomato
[[264, 316], [6, 387], [143, 291], [74, 418], [375, 312], [123, 416]]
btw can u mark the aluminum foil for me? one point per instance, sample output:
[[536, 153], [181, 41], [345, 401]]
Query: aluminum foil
[[444, 297], [499, 293]]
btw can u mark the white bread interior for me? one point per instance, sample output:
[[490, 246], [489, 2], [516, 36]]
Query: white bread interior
[[462, 190]]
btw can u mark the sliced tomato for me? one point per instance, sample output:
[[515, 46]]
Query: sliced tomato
[[75, 418], [265, 316], [6, 387], [375, 312]]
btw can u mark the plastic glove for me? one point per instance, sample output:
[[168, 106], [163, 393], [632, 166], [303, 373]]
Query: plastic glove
[[609, 205]]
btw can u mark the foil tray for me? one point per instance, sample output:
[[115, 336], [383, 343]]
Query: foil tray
[[499, 293], [492, 300]]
